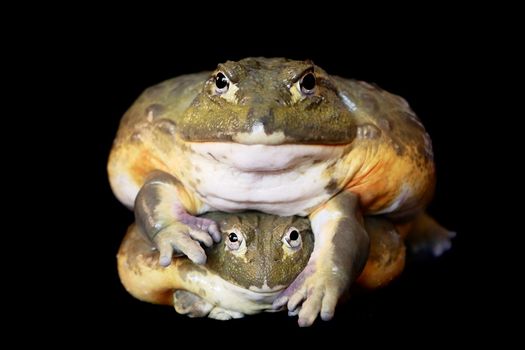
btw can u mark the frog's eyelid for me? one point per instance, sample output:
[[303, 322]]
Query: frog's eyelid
[[297, 77], [327, 83], [302, 224], [281, 230], [227, 73]]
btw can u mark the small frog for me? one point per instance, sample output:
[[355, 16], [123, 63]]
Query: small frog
[[259, 255], [286, 138]]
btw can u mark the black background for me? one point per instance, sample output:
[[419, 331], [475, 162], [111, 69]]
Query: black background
[[432, 300]]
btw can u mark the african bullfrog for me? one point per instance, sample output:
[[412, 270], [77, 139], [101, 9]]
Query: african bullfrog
[[282, 137], [258, 256]]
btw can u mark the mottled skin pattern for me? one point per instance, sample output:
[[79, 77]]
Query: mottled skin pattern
[[246, 280], [258, 135], [236, 280]]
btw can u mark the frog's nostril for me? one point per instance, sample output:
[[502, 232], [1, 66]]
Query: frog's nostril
[[267, 119], [262, 116]]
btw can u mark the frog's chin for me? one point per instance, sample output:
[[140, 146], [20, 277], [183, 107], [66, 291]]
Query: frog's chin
[[267, 158], [266, 290]]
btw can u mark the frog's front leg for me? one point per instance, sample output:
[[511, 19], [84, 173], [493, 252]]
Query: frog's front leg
[[339, 255], [161, 214]]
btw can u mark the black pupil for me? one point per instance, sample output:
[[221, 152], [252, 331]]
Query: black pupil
[[220, 81], [308, 82], [233, 237], [294, 235]]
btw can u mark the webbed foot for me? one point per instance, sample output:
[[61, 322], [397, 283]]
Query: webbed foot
[[312, 293], [339, 255], [184, 237], [218, 313], [161, 214], [427, 235], [187, 303]]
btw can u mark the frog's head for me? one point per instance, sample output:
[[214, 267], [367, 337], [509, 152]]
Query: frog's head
[[269, 102], [260, 252]]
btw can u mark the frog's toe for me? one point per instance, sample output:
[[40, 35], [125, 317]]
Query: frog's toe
[[428, 236], [294, 295], [444, 243], [200, 224], [295, 312], [310, 308], [321, 300], [310, 295], [221, 314], [187, 303], [178, 238]]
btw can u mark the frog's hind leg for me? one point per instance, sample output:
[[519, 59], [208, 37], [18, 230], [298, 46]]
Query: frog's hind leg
[[140, 272], [192, 305], [386, 259], [218, 313], [426, 235]]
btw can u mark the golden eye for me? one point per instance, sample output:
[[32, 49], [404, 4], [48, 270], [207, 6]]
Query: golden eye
[[292, 238], [221, 83]]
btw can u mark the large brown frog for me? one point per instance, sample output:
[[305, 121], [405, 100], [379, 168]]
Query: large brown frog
[[285, 138]]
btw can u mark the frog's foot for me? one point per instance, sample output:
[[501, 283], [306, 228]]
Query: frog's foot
[[187, 303], [201, 224], [427, 235], [339, 255], [161, 215], [314, 291], [218, 313], [180, 238]]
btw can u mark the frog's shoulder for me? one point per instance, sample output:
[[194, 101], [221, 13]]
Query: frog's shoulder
[[166, 100], [390, 115]]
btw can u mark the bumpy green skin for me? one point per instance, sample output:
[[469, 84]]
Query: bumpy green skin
[[265, 261], [267, 99], [189, 104]]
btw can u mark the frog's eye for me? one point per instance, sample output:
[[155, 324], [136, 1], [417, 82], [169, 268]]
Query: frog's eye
[[234, 240], [292, 238], [307, 83], [221, 83]]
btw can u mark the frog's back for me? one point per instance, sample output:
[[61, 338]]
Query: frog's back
[[390, 114], [398, 175]]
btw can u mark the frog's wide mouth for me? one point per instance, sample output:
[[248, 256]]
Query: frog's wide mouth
[[267, 158]]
